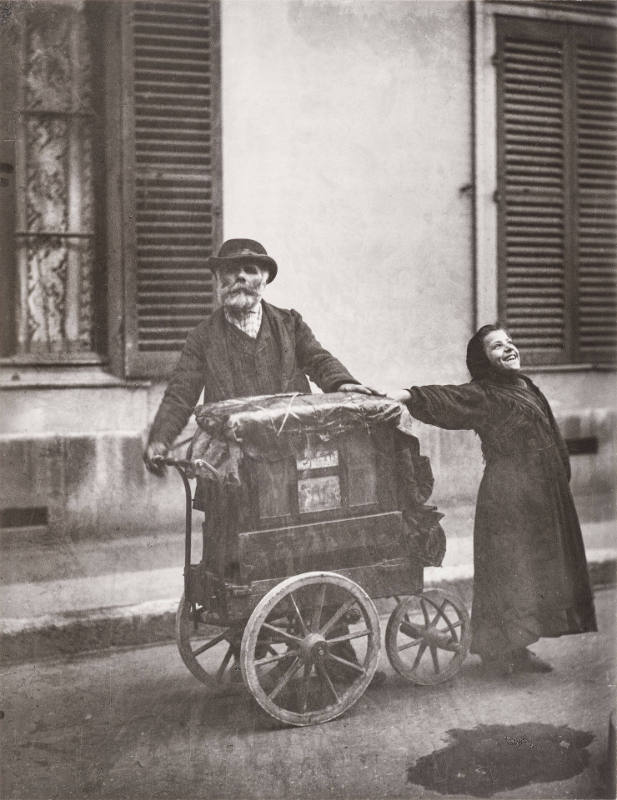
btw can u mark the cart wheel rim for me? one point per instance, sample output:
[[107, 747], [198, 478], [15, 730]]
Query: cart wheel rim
[[428, 637], [297, 656], [210, 653]]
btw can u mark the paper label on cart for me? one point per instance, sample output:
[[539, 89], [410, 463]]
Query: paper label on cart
[[318, 459], [318, 494]]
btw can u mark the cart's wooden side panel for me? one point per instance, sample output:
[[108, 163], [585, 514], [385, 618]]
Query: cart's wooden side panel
[[351, 475], [396, 577], [328, 545], [234, 603]]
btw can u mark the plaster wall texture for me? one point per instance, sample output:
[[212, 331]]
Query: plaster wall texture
[[93, 486], [73, 410], [346, 152]]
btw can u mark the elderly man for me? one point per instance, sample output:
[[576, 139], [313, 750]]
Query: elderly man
[[247, 347]]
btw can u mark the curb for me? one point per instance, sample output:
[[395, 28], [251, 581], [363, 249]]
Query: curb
[[611, 755], [93, 630], [58, 635]]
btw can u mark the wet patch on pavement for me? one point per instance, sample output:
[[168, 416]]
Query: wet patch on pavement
[[493, 758]]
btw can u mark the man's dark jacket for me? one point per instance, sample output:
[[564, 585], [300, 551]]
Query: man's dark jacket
[[205, 364]]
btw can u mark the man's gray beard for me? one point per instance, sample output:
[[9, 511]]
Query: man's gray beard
[[240, 302]]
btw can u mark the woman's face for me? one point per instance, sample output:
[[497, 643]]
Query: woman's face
[[501, 352]]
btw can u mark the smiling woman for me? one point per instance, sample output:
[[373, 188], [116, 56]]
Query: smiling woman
[[492, 351], [530, 571], [501, 352]]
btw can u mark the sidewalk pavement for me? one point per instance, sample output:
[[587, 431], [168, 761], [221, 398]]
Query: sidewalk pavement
[[125, 591]]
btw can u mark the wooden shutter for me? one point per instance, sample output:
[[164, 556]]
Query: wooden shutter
[[595, 110], [596, 8], [175, 197], [533, 198], [555, 174]]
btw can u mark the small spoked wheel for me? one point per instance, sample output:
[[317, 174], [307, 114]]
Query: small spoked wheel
[[210, 652], [428, 637], [310, 648]]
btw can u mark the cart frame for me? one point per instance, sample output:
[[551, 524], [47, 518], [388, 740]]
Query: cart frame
[[237, 616]]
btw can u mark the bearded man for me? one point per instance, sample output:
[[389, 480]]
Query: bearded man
[[247, 347]]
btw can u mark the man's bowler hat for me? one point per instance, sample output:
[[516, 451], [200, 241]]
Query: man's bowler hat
[[238, 250]]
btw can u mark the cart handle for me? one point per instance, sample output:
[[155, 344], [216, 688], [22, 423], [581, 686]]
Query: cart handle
[[186, 464], [181, 463]]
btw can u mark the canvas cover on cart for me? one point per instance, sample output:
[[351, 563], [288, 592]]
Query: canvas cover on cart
[[275, 427]]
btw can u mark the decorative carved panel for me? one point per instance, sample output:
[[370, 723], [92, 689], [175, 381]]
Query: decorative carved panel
[[55, 210], [46, 292], [47, 173], [48, 58]]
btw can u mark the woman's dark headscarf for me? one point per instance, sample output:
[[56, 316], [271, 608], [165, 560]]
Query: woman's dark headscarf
[[477, 363]]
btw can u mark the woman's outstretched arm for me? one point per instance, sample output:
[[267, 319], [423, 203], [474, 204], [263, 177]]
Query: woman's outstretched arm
[[451, 407]]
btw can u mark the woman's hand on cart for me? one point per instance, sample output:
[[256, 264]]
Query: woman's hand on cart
[[400, 395]]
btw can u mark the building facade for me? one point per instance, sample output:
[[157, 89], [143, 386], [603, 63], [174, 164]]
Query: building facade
[[416, 168]]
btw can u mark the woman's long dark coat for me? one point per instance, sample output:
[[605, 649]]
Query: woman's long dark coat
[[530, 571]]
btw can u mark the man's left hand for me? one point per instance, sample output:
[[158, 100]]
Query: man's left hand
[[358, 387]]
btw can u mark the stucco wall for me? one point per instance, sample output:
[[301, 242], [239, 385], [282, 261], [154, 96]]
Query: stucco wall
[[346, 151], [75, 453]]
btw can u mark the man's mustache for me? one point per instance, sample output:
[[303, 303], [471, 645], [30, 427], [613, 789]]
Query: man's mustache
[[237, 288]]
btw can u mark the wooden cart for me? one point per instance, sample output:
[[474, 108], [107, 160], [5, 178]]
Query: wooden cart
[[306, 526]]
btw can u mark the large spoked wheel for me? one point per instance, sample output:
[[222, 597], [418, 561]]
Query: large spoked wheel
[[310, 648], [428, 637], [211, 652]]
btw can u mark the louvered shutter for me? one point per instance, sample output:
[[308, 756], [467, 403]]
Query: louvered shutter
[[532, 191], [596, 160], [176, 169], [595, 8], [555, 190]]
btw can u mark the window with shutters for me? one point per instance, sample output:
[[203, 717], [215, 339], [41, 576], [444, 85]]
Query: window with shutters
[[50, 270], [556, 188], [111, 125]]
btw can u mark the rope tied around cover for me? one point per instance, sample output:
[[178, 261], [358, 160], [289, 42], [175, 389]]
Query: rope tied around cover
[[287, 412]]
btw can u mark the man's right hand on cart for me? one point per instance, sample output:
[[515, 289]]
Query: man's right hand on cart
[[153, 457]]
